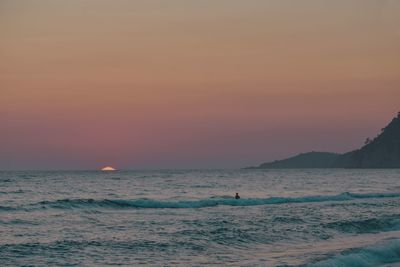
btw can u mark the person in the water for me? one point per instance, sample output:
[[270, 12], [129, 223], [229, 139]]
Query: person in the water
[[237, 196]]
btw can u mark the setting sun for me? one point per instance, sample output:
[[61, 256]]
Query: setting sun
[[108, 168]]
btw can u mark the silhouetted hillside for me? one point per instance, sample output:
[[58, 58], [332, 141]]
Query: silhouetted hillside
[[381, 152], [304, 160]]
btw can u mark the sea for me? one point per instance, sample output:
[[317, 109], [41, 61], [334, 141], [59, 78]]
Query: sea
[[298, 217]]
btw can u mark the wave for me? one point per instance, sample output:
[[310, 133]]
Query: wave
[[383, 253], [6, 208], [370, 225], [203, 203], [12, 253], [12, 192]]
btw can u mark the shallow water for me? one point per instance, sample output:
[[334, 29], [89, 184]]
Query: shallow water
[[189, 218]]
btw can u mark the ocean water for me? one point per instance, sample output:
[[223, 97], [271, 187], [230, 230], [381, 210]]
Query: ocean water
[[190, 218]]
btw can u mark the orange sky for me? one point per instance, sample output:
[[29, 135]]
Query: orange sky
[[192, 84]]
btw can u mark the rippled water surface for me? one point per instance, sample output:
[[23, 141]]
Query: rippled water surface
[[190, 218]]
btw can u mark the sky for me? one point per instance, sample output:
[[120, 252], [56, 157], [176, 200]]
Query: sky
[[192, 84]]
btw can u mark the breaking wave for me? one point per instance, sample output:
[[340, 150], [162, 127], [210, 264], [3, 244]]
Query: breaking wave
[[203, 203], [380, 254]]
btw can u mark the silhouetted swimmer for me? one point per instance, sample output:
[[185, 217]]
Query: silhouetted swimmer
[[237, 196]]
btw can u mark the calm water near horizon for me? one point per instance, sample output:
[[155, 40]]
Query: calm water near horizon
[[321, 217]]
